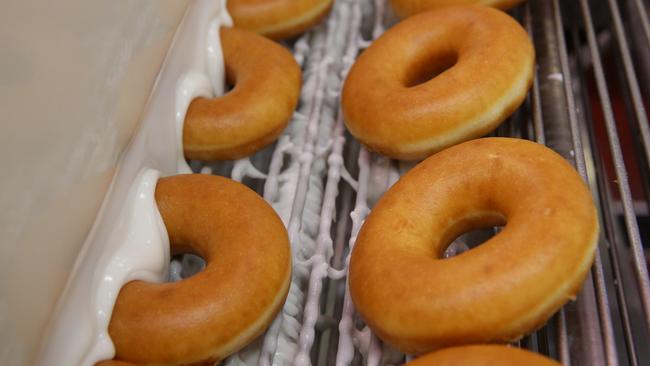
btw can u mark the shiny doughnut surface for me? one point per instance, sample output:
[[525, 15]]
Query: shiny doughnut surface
[[406, 8], [483, 355], [278, 19], [267, 83], [499, 291], [485, 63], [224, 307]]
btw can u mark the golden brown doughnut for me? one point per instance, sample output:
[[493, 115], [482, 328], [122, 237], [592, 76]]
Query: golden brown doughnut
[[278, 19], [387, 108], [232, 301], [483, 355], [266, 81], [498, 291], [406, 8]]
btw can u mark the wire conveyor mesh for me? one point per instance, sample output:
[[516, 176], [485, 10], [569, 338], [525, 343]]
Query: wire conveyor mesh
[[588, 103]]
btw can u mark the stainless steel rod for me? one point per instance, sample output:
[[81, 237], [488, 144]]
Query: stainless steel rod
[[604, 314], [632, 80], [631, 223], [643, 15], [600, 185], [562, 341]]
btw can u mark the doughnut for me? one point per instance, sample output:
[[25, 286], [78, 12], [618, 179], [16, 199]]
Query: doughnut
[[406, 8], [486, 59], [222, 308], [499, 291], [483, 355], [267, 83], [278, 19]]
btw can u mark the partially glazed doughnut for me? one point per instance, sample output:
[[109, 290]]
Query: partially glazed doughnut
[[483, 355], [389, 108], [266, 81], [278, 19], [498, 291], [406, 8], [222, 308]]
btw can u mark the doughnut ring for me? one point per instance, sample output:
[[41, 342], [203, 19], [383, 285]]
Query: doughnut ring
[[392, 107], [224, 307], [278, 19], [483, 355], [499, 291], [267, 83], [406, 8]]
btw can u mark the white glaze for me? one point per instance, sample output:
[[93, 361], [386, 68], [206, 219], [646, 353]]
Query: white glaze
[[348, 33], [369, 347], [280, 341], [127, 240], [245, 168], [199, 50], [143, 254], [345, 351], [136, 247]]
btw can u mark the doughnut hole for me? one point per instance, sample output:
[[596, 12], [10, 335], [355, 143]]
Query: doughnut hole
[[470, 240], [185, 265], [428, 67], [468, 233], [228, 87]]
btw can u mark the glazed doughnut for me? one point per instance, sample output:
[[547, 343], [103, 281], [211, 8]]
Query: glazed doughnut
[[483, 355], [498, 291], [406, 8], [266, 81], [224, 307], [278, 19], [389, 109]]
